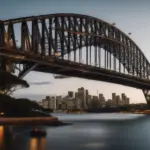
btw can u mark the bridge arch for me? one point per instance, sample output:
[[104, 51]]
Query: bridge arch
[[65, 32], [85, 30]]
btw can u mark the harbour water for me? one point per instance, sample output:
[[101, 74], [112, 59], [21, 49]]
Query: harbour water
[[88, 132]]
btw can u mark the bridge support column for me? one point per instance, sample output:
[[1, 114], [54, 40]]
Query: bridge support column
[[2, 68], [147, 96], [1, 34], [2, 60]]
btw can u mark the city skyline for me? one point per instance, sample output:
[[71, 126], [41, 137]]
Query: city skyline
[[129, 17], [73, 93], [83, 100]]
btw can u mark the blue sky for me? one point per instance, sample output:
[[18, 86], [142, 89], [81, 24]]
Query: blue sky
[[130, 16]]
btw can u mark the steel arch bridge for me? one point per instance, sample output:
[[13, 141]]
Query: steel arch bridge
[[57, 43]]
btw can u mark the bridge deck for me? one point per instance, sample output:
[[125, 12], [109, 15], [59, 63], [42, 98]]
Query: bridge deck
[[66, 67]]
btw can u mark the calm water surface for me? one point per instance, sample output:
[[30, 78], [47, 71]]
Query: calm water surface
[[88, 132]]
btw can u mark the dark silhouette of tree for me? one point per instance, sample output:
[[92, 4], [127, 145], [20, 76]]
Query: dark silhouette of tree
[[20, 107]]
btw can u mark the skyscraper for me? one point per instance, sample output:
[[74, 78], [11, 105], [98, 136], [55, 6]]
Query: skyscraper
[[70, 94], [114, 99], [82, 97]]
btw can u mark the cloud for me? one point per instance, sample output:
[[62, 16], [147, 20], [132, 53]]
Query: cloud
[[40, 83]]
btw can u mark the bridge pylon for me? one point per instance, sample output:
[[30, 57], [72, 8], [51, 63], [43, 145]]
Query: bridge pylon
[[1, 33], [2, 69], [147, 96]]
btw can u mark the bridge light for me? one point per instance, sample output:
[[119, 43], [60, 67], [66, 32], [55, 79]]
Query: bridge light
[[57, 54], [2, 113]]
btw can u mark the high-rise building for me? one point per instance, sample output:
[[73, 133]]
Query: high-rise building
[[58, 102], [45, 103], [86, 96], [118, 99], [123, 96], [127, 101], [101, 96], [110, 103], [47, 97], [81, 96], [52, 103], [70, 94], [89, 101], [87, 92], [102, 100], [78, 104], [113, 96], [114, 99], [40, 103], [70, 103], [63, 104], [95, 102], [76, 94]]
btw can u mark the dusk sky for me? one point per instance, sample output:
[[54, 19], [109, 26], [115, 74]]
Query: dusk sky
[[129, 16]]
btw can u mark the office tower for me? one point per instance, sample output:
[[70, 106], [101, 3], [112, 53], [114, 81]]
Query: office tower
[[70, 94], [102, 100], [58, 102], [81, 96], [114, 101]]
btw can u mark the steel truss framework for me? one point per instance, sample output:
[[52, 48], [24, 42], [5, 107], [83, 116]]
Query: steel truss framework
[[43, 37]]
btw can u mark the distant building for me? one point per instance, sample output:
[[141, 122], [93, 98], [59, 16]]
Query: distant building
[[110, 103], [86, 97], [119, 101], [89, 101], [123, 96], [70, 103], [95, 102], [76, 94], [127, 101], [101, 96], [47, 97], [40, 103], [81, 96], [59, 100], [45, 103], [52, 103], [102, 100], [78, 104], [82, 100], [114, 99], [70, 94], [63, 105]]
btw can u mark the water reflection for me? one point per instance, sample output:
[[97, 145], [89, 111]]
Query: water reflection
[[1, 135], [89, 131], [38, 144], [95, 145]]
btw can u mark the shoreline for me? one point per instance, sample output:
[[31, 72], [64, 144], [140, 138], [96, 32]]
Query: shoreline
[[50, 121], [54, 121], [147, 112]]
